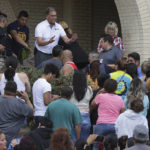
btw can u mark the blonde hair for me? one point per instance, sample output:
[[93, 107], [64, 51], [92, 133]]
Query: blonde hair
[[111, 25], [65, 26]]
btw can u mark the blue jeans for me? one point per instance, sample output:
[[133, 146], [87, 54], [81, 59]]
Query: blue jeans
[[102, 129], [85, 127]]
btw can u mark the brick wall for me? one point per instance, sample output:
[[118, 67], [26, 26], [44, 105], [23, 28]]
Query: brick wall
[[135, 22], [81, 22], [36, 11], [88, 19], [6, 7]]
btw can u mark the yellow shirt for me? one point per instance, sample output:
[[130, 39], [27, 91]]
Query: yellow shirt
[[93, 84]]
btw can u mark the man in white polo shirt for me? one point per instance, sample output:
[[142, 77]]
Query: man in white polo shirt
[[47, 35]]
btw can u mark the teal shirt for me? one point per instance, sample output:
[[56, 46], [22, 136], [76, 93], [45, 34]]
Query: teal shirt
[[64, 114]]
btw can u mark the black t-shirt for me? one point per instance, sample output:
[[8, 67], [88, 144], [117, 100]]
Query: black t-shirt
[[22, 32], [6, 41]]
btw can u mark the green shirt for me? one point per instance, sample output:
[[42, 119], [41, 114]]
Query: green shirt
[[64, 114]]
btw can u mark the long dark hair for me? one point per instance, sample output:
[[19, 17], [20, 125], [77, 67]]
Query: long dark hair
[[60, 140], [11, 65], [94, 70], [79, 85]]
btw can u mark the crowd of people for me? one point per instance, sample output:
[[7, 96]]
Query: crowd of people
[[105, 108]]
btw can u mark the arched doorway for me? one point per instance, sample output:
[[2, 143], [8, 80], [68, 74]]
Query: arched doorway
[[103, 11], [132, 28]]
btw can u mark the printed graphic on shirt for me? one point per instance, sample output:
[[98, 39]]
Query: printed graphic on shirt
[[22, 35], [121, 88]]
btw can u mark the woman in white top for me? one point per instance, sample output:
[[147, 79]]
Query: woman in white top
[[137, 91], [132, 117], [81, 98], [10, 74]]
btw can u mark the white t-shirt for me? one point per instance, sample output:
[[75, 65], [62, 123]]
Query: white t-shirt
[[40, 87], [83, 104], [45, 31]]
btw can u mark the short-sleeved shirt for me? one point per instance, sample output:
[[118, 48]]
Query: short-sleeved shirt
[[6, 41], [123, 79], [110, 56], [12, 114], [109, 106], [45, 31], [64, 114], [23, 32], [40, 87]]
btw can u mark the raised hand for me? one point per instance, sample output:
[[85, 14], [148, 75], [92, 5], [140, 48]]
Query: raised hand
[[52, 39]]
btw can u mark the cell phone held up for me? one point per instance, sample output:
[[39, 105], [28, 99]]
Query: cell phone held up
[[18, 94]]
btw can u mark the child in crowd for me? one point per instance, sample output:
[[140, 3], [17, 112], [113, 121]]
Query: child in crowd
[[3, 142], [23, 131]]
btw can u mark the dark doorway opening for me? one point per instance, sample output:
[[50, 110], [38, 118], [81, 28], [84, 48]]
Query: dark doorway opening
[[103, 11]]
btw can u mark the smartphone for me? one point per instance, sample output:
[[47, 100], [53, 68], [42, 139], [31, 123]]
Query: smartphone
[[18, 93]]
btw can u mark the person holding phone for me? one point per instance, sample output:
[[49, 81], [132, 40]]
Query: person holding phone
[[47, 34]]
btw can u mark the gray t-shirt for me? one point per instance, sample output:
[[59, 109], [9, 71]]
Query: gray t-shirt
[[12, 115], [54, 61], [110, 56]]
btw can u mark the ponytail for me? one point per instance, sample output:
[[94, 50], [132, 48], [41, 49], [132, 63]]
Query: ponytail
[[9, 74], [11, 65]]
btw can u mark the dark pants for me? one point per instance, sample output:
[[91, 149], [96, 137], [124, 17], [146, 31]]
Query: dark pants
[[40, 57], [37, 120]]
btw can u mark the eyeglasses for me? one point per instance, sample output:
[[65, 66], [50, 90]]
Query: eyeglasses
[[53, 15]]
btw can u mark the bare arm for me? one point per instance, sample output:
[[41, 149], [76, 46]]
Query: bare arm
[[24, 78], [91, 139], [0, 76], [93, 105], [24, 96], [2, 48], [43, 43], [48, 97], [72, 39], [77, 130], [113, 66], [66, 39], [17, 38]]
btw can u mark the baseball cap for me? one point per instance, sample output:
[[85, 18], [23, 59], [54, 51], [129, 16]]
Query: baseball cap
[[140, 133]]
